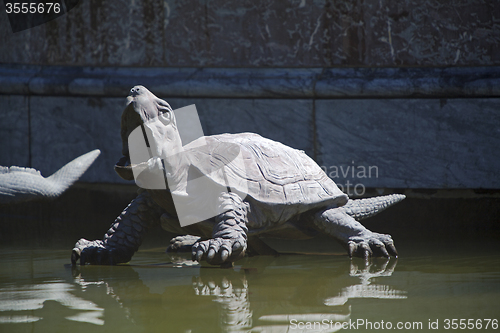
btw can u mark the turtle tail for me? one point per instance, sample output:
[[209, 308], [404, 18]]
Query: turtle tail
[[363, 208], [62, 179]]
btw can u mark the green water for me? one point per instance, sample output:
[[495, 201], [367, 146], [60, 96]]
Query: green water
[[430, 283]]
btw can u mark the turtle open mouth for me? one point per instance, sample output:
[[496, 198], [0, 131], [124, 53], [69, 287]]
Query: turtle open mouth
[[124, 168]]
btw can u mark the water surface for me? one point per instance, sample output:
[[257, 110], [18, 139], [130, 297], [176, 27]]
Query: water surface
[[430, 284]]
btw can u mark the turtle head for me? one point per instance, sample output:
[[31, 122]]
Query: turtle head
[[147, 106], [142, 108]]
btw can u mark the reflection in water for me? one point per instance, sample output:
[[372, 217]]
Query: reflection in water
[[365, 289], [236, 315], [328, 322], [261, 294], [32, 297], [293, 292]]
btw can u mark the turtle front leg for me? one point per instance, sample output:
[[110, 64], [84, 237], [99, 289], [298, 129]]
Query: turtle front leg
[[229, 237], [358, 240], [124, 236]]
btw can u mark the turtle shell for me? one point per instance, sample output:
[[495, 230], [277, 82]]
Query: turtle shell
[[278, 181]]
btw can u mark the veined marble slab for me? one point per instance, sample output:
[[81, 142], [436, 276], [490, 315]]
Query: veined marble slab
[[411, 143], [272, 33], [389, 143]]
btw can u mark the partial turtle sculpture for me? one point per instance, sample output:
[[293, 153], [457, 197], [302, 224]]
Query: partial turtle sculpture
[[19, 184], [286, 195]]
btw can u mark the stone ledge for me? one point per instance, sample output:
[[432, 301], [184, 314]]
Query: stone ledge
[[445, 82]]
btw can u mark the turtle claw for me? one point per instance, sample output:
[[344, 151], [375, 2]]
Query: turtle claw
[[218, 251], [182, 243], [371, 245], [211, 254], [352, 249], [84, 250], [96, 253], [392, 249], [224, 255], [236, 246], [384, 252], [199, 255], [366, 251], [74, 258], [83, 259]]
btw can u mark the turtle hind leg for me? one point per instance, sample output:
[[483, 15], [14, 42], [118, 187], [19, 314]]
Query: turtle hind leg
[[229, 236], [124, 236], [358, 240]]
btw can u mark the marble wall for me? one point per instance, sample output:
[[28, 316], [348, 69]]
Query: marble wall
[[409, 87], [267, 33], [376, 143]]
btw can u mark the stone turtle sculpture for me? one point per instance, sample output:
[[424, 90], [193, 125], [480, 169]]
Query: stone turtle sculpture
[[288, 196], [19, 184]]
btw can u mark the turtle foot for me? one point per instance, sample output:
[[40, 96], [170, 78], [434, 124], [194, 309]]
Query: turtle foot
[[371, 244], [229, 241], [182, 243], [97, 253], [218, 251]]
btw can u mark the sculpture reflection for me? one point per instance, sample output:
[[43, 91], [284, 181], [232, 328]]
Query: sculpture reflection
[[26, 303], [234, 301], [237, 315], [365, 289], [265, 294]]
